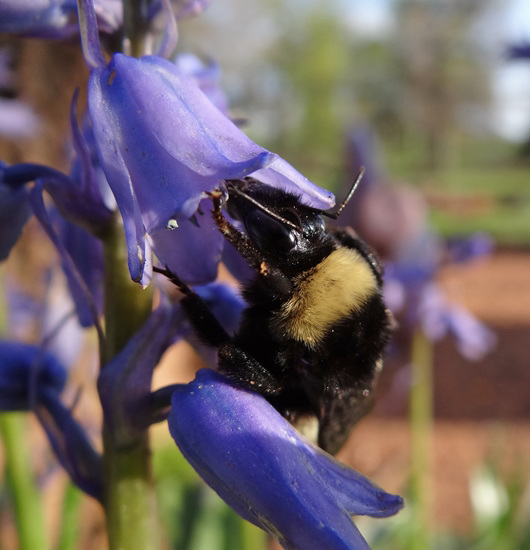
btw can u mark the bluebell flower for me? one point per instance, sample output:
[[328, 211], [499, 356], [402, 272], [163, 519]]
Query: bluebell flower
[[31, 380], [124, 384], [55, 19], [86, 207], [264, 469], [162, 144], [71, 445]]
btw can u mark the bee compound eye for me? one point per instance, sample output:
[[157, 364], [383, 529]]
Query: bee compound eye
[[269, 234]]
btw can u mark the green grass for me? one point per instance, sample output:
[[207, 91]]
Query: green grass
[[491, 172]]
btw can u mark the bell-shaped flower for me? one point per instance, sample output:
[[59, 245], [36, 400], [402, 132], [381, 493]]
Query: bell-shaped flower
[[163, 144], [272, 476]]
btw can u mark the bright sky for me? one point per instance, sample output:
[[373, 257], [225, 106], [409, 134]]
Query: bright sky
[[511, 81], [505, 22]]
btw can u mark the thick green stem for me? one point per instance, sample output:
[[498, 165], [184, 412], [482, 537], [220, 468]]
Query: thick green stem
[[421, 417], [129, 499]]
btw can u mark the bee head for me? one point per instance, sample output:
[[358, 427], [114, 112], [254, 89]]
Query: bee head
[[277, 222]]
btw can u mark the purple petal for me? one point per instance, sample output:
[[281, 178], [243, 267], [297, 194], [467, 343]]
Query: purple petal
[[89, 34], [124, 384], [76, 283], [262, 467], [162, 144], [25, 372], [192, 252], [40, 18], [174, 143], [86, 252], [14, 213], [473, 338], [71, 445], [279, 173]]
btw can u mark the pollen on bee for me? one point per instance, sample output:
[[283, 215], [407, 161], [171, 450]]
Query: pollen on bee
[[264, 269]]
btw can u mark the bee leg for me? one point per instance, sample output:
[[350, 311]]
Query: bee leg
[[240, 241], [246, 371], [206, 326]]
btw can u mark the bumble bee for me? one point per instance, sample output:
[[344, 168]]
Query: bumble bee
[[312, 338]]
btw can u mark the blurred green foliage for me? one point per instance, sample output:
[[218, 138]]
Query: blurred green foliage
[[501, 507], [303, 73], [193, 516]]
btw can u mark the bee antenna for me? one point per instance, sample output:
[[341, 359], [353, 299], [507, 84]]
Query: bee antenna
[[336, 214], [262, 207]]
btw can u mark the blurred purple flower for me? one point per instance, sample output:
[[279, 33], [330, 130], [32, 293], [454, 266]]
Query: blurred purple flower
[[519, 51], [55, 19], [393, 219], [188, 8], [207, 78], [86, 206], [77, 205], [465, 249], [31, 380], [71, 445], [438, 318], [25, 372], [17, 120], [262, 467], [14, 213]]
